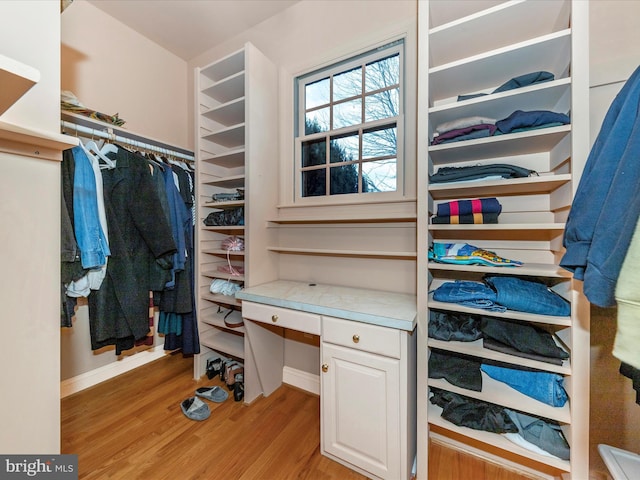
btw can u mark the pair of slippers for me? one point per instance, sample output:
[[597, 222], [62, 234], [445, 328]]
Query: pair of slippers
[[195, 409]]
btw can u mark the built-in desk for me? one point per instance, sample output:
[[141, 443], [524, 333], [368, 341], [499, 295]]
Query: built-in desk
[[367, 358]]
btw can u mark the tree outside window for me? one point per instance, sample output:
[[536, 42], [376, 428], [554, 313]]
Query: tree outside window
[[348, 123]]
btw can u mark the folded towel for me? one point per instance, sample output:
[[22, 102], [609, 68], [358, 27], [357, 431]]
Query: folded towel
[[466, 207], [465, 219]]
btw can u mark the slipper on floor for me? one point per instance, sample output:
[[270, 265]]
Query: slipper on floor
[[195, 409], [215, 393]]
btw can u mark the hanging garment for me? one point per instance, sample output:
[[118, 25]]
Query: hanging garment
[[138, 234], [606, 206], [626, 345]]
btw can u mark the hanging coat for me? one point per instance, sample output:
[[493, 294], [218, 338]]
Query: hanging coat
[[138, 234]]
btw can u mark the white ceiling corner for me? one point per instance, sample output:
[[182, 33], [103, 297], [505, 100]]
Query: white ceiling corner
[[188, 28]]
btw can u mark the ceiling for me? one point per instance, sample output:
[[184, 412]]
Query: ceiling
[[188, 28]]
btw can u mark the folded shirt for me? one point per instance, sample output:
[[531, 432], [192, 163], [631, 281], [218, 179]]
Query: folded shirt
[[465, 219], [488, 129], [463, 123], [465, 254], [531, 119], [474, 172], [465, 207], [516, 82]]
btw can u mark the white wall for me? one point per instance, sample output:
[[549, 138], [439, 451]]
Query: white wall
[[113, 69], [30, 242]]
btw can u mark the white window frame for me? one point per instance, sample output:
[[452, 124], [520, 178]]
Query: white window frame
[[368, 56]]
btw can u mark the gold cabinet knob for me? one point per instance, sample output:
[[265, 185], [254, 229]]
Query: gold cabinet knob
[[325, 367], [274, 318], [356, 338]]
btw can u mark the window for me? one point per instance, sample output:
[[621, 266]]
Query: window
[[349, 119]]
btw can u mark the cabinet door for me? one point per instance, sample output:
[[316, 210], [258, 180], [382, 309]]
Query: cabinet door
[[361, 409]]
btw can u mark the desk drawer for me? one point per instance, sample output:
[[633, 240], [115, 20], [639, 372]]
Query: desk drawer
[[282, 317], [361, 336]]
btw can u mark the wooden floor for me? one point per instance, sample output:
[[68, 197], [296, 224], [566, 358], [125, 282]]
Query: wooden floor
[[131, 427]]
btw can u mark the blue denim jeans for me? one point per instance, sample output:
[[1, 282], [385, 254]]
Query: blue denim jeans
[[543, 386], [526, 296], [546, 435], [469, 294]]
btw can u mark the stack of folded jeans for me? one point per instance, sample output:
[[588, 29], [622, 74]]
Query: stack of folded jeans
[[479, 210], [499, 293], [521, 339], [536, 434], [479, 172], [545, 387]]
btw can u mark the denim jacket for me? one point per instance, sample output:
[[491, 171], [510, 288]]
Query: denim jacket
[[90, 236]]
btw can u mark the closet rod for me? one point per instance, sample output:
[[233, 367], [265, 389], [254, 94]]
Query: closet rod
[[110, 135]]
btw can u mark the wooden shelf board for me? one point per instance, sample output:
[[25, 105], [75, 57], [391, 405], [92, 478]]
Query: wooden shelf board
[[345, 253], [223, 342], [542, 184], [528, 269], [477, 350]]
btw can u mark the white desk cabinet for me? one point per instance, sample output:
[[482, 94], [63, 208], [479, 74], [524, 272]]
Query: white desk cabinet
[[364, 414], [368, 367]]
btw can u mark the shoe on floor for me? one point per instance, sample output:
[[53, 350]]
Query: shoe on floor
[[214, 394], [195, 409]]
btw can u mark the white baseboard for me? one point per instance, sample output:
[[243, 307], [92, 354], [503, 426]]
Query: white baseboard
[[300, 379], [100, 374]]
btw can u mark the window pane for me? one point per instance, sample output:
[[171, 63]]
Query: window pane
[[382, 142], [347, 84], [316, 93], [314, 183], [344, 149], [379, 176], [347, 113], [314, 152], [344, 179], [382, 105], [317, 121], [382, 73]]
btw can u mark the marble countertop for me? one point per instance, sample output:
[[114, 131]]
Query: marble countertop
[[387, 309]]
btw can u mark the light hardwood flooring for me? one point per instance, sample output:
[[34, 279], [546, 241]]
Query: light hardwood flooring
[[131, 427]]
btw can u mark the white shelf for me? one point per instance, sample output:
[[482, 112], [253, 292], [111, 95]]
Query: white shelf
[[230, 137], [234, 181], [345, 253], [487, 188], [541, 96], [225, 67], [526, 269], [233, 158], [219, 251], [224, 205], [211, 317], [223, 299], [223, 275], [476, 349], [500, 393], [230, 113], [495, 440], [521, 143], [16, 79], [492, 68], [467, 36], [509, 314], [224, 342], [227, 89]]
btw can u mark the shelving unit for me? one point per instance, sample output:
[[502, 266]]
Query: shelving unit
[[474, 47], [236, 143]]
